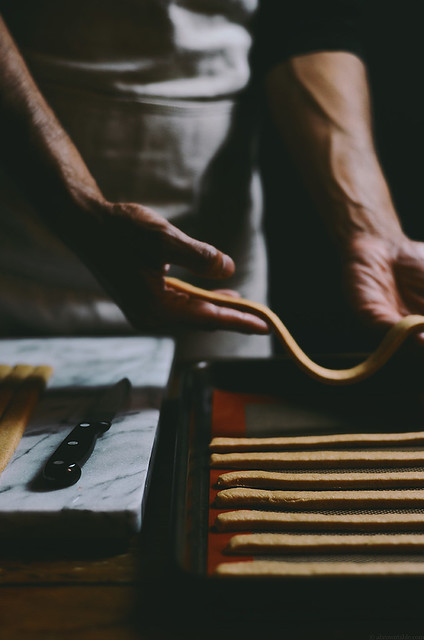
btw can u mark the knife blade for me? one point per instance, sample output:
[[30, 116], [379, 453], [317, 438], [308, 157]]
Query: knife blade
[[63, 468]]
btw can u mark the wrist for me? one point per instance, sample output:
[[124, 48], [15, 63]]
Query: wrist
[[87, 201], [354, 218], [354, 196]]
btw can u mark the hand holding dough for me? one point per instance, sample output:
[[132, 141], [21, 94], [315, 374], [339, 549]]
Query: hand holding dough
[[389, 345]]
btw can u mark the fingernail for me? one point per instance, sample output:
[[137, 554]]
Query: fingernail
[[227, 263]]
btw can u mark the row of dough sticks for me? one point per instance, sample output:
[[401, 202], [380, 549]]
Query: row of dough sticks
[[284, 491]]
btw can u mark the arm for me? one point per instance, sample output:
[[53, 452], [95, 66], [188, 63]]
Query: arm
[[320, 102], [41, 158]]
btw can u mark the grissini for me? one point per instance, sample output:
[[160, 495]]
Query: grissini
[[388, 346], [323, 480], [280, 543], [19, 410], [5, 369], [255, 520], [10, 379], [281, 443], [316, 569], [305, 500], [317, 459]]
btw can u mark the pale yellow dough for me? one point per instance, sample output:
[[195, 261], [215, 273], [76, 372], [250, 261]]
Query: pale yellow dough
[[279, 543], [303, 500], [388, 346], [253, 520], [286, 480], [311, 569], [226, 445], [30, 382], [317, 459]]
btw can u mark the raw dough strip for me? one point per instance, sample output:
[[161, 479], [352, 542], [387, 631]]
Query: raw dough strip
[[18, 411], [244, 520], [5, 369], [10, 379], [409, 439], [281, 543], [283, 480], [317, 459], [305, 500], [388, 346], [317, 569], [5, 392]]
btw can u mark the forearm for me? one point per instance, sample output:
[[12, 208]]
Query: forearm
[[36, 150], [128, 246], [321, 106]]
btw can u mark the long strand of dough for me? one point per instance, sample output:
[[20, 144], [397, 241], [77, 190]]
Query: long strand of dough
[[5, 369], [18, 411], [280, 443], [282, 543], [324, 480], [305, 500], [252, 520], [316, 569], [10, 379], [317, 459], [5, 392], [388, 346]]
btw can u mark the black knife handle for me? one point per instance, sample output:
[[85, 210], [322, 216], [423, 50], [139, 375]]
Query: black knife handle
[[63, 468]]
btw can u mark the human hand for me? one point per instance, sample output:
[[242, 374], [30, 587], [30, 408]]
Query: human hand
[[130, 251], [127, 246], [385, 279]]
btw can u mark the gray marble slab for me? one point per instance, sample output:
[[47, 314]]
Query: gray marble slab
[[106, 503]]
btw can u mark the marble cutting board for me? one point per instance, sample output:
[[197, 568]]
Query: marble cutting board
[[106, 503]]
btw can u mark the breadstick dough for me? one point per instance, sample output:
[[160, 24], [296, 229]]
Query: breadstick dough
[[246, 520], [279, 543], [412, 438], [276, 568], [299, 500], [388, 346], [286, 480], [317, 459]]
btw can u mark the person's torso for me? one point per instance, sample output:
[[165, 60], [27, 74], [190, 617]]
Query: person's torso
[[152, 92]]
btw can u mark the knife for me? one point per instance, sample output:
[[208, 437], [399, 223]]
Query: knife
[[63, 468]]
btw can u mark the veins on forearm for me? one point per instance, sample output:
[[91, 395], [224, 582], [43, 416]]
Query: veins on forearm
[[321, 105], [36, 149]]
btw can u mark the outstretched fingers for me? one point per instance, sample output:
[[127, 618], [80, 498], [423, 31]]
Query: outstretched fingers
[[206, 315]]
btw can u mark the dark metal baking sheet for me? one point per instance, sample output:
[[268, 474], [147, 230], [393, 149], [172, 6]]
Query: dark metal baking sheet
[[393, 400]]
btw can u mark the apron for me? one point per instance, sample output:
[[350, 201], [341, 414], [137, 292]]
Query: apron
[[153, 94]]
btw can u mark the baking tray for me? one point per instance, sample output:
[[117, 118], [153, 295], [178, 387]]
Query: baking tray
[[392, 400]]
